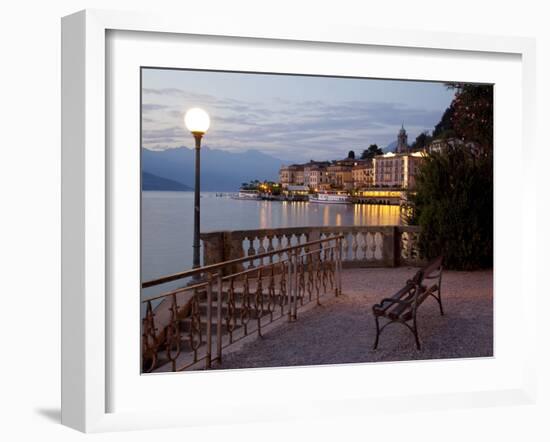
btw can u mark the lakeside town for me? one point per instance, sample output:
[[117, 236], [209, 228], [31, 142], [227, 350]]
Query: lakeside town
[[373, 178], [240, 286]]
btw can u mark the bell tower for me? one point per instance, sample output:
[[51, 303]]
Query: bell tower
[[402, 145]]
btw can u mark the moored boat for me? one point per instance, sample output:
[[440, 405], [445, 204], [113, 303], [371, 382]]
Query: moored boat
[[330, 198], [248, 195]]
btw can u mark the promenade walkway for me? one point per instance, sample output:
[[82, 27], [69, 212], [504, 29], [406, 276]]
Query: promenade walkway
[[342, 330]]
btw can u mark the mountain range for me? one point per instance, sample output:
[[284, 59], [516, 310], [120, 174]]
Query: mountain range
[[223, 171], [390, 147], [154, 182], [220, 170]]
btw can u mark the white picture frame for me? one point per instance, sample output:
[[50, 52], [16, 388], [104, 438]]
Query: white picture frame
[[87, 210]]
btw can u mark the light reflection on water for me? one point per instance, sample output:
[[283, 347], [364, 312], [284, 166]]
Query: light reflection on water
[[167, 223]]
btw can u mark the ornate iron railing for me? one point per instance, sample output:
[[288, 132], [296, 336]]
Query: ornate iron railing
[[228, 301]]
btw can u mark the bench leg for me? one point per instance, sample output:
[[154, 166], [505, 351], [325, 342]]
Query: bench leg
[[377, 332], [416, 337], [439, 301], [415, 332], [439, 296]]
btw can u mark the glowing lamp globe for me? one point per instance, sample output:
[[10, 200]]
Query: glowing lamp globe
[[197, 120]]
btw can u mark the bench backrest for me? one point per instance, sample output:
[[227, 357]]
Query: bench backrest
[[432, 267], [427, 271]]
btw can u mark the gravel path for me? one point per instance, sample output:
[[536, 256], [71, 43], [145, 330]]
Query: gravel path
[[342, 330]]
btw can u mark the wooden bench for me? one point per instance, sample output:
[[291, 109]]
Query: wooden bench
[[402, 307]]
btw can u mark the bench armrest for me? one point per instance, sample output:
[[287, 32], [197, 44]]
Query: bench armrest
[[393, 301], [433, 276]]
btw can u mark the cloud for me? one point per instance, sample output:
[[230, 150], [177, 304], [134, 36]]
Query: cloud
[[146, 107], [284, 128]]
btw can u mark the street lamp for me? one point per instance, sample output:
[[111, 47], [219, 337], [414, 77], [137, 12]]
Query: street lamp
[[197, 122]]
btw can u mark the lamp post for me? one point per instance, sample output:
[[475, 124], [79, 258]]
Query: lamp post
[[197, 122]]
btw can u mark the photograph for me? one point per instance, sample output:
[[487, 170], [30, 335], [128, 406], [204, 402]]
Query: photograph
[[302, 220]]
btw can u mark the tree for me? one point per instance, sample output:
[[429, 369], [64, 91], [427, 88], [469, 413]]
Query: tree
[[371, 152], [422, 141], [453, 205], [472, 114], [351, 155], [453, 199], [444, 129]]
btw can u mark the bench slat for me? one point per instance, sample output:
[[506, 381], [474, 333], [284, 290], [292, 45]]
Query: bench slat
[[399, 309], [406, 313], [385, 305]]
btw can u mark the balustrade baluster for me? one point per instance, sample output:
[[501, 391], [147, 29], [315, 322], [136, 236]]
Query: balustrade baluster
[[379, 240], [250, 251], [345, 245], [270, 247], [261, 248], [371, 246], [354, 246], [363, 236]]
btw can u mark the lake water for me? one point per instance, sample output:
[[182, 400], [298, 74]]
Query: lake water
[[167, 223]]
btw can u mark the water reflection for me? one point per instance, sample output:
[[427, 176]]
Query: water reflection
[[167, 222], [295, 214]]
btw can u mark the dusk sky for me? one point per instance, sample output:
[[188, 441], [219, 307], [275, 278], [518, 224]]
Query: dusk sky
[[293, 118]]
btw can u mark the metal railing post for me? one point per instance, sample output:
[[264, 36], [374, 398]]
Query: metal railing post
[[219, 319], [339, 266], [336, 267], [297, 258], [290, 253], [209, 323]]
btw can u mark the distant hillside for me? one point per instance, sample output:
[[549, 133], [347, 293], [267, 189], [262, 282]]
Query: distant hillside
[[154, 182], [390, 147], [220, 170]]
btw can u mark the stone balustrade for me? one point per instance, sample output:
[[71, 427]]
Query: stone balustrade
[[363, 246]]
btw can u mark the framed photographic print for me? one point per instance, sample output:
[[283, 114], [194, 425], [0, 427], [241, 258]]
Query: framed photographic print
[[298, 212]]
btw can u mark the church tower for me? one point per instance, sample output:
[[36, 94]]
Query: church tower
[[402, 145]]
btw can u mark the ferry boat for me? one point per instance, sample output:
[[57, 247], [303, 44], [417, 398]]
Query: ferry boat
[[330, 198], [248, 195]]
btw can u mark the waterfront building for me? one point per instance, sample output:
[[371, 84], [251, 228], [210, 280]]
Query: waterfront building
[[363, 174], [397, 170], [315, 175], [291, 175], [340, 176], [347, 162], [392, 197], [296, 192]]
